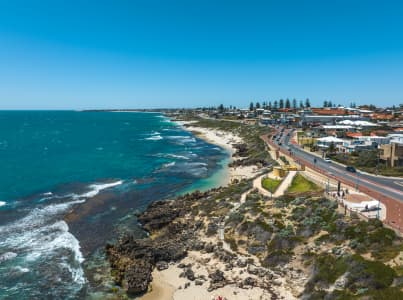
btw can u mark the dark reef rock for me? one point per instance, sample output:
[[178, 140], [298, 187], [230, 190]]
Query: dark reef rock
[[133, 260]]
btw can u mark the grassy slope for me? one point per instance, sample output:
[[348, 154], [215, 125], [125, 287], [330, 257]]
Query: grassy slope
[[271, 184], [301, 185]]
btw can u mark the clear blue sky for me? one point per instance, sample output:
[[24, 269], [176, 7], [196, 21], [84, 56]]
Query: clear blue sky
[[107, 54]]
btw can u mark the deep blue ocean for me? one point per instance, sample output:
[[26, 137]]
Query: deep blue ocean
[[71, 181]]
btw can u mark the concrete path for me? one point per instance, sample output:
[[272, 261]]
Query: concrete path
[[257, 184], [285, 184]]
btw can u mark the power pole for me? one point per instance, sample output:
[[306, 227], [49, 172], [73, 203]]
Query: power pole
[[356, 183]]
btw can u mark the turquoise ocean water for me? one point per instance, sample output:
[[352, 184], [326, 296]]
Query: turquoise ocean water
[[106, 166]]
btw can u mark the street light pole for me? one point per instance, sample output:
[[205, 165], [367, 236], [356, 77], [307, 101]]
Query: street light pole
[[271, 189], [356, 183], [328, 185]]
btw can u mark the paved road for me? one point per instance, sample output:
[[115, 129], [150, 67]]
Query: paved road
[[391, 188]]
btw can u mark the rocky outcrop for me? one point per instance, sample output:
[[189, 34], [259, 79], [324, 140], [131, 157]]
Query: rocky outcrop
[[133, 260]]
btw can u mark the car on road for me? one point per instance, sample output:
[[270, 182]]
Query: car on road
[[351, 169], [328, 160]]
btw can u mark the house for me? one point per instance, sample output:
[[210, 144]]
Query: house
[[266, 113], [379, 140], [325, 142], [392, 154], [328, 119], [358, 123], [356, 145]]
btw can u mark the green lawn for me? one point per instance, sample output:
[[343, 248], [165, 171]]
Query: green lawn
[[301, 185], [271, 184]]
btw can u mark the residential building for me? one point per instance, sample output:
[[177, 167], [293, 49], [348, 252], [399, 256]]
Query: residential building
[[392, 154]]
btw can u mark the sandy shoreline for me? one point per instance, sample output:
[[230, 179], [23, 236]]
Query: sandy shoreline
[[224, 140], [169, 285]]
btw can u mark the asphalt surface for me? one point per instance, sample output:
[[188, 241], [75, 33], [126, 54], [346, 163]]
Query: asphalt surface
[[389, 187]]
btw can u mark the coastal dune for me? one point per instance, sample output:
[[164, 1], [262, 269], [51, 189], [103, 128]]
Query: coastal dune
[[226, 140]]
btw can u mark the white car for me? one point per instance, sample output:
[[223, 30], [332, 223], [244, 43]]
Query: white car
[[328, 160]]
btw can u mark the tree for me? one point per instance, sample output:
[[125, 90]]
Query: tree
[[251, 106], [307, 103], [275, 104], [221, 108], [332, 148], [257, 105], [325, 103], [270, 106], [329, 104], [281, 103], [294, 103], [301, 104], [264, 105], [287, 103]]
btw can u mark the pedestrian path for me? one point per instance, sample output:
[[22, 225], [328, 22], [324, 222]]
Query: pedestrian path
[[285, 184]]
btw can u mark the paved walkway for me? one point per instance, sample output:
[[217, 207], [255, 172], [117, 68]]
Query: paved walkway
[[285, 184], [257, 184], [281, 189]]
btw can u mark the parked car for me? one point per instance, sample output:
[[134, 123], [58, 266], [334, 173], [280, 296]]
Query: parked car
[[351, 169], [328, 160]]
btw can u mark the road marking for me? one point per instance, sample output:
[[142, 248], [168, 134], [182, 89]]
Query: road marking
[[360, 179]]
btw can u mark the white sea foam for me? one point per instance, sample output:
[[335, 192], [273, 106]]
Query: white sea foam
[[167, 165], [98, 187], [182, 139], [178, 156], [154, 138], [2, 203], [39, 236], [7, 256], [169, 155], [21, 269], [34, 220]]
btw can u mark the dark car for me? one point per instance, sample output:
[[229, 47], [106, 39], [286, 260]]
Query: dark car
[[351, 169]]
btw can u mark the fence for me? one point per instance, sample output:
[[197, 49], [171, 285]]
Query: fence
[[393, 219]]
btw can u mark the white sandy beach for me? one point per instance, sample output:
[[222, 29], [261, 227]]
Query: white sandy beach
[[225, 140], [168, 285]]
